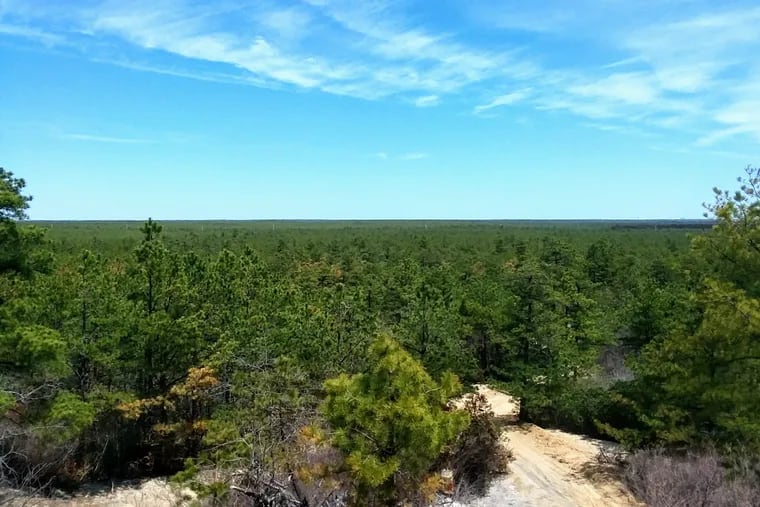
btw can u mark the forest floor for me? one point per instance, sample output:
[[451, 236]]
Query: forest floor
[[551, 467]]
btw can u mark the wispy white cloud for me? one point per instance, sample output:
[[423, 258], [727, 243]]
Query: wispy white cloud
[[625, 62], [689, 55], [709, 60], [415, 57], [676, 64], [415, 155], [692, 65], [717, 135], [607, 127], [427, 101], [503, 100], [31, 33], [364, 58], [412, 155], [189, 37], [214, 77], [291, 23], [105, 139], [740, 117], [629, 88]]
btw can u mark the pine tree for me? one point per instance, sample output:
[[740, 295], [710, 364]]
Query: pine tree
[[391, 421], [701, 380]]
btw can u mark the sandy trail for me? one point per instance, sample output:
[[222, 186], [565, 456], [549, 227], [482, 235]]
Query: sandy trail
[[551, 467], [505, 407], [555, 468]]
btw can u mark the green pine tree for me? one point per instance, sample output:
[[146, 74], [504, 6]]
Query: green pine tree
[[391, 421]]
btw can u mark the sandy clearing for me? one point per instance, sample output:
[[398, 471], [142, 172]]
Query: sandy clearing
[[552, 467]]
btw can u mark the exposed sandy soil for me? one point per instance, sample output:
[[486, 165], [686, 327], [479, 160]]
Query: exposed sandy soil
[[551, 467], [556, 468], [504, 406], [149, 493]]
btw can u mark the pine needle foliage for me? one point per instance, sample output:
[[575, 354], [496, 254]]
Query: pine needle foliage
[[391, 421]]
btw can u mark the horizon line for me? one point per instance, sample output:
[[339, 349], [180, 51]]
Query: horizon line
[[140, 220]]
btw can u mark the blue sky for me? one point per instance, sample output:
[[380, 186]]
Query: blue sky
[[378, 109]]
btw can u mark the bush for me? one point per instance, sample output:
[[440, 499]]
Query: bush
[[663, 480], [479, 452]]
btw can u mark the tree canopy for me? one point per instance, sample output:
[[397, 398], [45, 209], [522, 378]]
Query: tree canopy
[[319, 358]]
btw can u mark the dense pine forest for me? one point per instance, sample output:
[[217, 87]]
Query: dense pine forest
[[312, 362]]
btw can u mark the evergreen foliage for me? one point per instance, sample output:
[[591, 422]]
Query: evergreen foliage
[[699, 380], [391, 421], [185, 347]]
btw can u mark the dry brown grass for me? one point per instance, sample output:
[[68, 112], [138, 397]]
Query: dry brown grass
[[694, 479]]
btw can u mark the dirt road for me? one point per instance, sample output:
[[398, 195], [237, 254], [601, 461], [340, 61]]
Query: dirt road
[[561, 469], [551, 467]]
